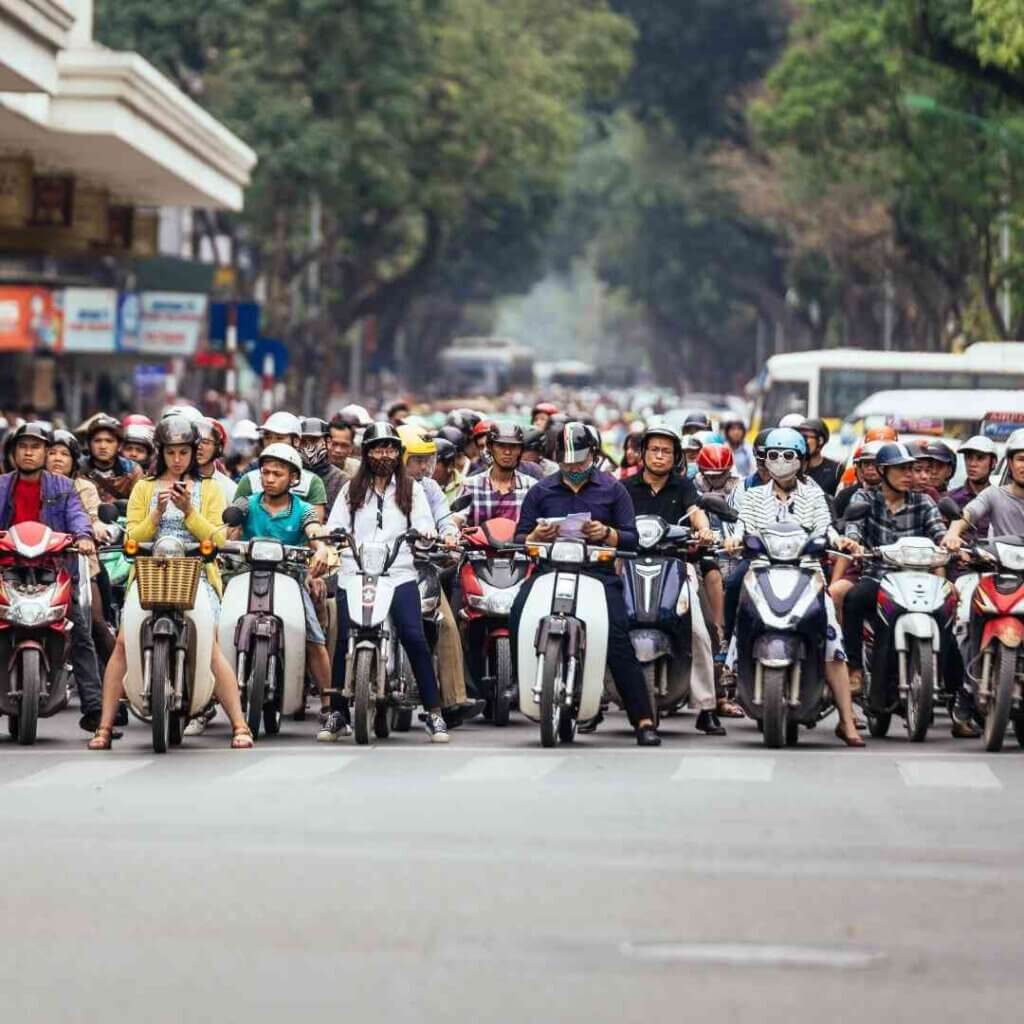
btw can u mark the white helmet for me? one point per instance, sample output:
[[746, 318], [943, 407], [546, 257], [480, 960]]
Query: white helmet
[[190, 412], [981, 445], [282, 453], [1015, 443], [284, 423], [355, 413], [245, 430], [792, 419]]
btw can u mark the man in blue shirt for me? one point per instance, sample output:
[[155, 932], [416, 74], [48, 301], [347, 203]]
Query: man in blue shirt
[[578, 487]]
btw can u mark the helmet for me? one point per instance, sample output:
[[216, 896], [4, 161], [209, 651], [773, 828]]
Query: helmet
[[1015, 443], [759, 443], [731, 419], [37, 429], [544, 407], [573, 443], [136, 419], [381, 432], [980, 445], [893, 453], [282, 453], [791, 419], [176, 430], [245, 430], [464, 419], [691, 443], [533, 440], [137, 433], [506, 432], [715, 458], [416, 442], [816, 427], [787, 439], [453, 436], [668, 432], [210, 428], [398, 407], [696, 421], [107, 423], [482, 429], [312, 426], [355, 414], [885, 433], [937, 450], [867, 452], [66, 438], [446, 451], [284, 423], [190, 412]]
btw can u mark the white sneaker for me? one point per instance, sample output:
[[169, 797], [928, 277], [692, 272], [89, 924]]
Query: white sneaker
[[196, 726], [436, 728], [333, 727]]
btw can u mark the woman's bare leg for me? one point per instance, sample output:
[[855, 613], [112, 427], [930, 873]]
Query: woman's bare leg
[[225, 686], [838, 678]]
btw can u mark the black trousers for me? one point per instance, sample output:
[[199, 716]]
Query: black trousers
[[858, 606], [625, 669]]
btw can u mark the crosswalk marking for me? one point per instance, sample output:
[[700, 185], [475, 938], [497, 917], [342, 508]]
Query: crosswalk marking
[[725, 769], [498, 768], [82, 773], [948, 774], [301, 768]]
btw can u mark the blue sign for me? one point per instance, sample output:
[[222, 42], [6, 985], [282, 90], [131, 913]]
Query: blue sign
[[257, 351], [129, 321], [247, 320]]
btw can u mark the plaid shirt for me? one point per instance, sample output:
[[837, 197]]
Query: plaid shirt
[[489, 503], [919, 516]]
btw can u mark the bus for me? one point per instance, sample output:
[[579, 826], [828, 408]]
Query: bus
[[486, 366], [831, 383]]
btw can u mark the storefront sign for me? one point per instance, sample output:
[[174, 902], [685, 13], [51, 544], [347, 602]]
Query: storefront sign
[[28, 320], [172, 323], [90, 320]]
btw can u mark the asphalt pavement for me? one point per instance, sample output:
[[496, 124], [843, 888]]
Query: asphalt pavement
[[491, 880]]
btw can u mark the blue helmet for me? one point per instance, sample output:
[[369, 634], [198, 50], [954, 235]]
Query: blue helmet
[[788, 439]]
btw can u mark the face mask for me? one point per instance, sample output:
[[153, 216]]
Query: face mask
[[382, 465], [577, 477], [314, 454], [782, 469]]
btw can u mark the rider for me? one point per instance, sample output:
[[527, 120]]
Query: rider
[[534, 444], [734, 428], [444, 471], [826, 473], [760, 474], [941, 461], [696, 423], [138, 443], [980, 458], [791, 497], [577, 488], [460, 464], [341, 443], [113, 475], [381, 504], [659, 491], [175, 502], [500, 490], [316, 459], [33, 494], [212, 438], [540, 415], [866, 476], [245, 439], [398, 413]]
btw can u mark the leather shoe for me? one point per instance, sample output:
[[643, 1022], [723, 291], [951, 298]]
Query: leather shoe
[[647, 736], [708, 723], [965, 730], [591, 724]]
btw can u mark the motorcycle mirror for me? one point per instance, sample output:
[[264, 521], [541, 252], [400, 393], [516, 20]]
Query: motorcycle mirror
[[462, 503], [107, 514], [949, 508], [718, 506], [233, 516], [855, 512]]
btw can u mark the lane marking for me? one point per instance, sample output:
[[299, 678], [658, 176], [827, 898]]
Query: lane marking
[[82, 773], [948, 774], [742, 954], [301, 768], [724, 769], [502, 768]]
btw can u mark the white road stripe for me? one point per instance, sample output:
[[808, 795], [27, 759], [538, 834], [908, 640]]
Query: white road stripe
[[500, 768], [742, 954], [303, 768], [82, 773], [725, 769], [948, 774]]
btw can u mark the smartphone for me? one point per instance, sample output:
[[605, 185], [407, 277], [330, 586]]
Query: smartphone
[[179, 486]]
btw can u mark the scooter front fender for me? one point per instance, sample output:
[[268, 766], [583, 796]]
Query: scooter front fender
[[918, 625], [1007, 629], [778, 650]]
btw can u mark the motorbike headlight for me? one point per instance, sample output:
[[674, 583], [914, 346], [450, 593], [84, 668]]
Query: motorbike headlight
[[649, 530], [1011, 556], [373, 558], [568, 551], [498, 603], [266, 551], [34, 613], [168, 547], [783, 547], [914, 556]]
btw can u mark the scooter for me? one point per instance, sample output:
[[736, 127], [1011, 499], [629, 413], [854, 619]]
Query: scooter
[[995, 638], [493, 569], [262, 620], [562, 644], [35, 625], [780, 633], [915, 609]]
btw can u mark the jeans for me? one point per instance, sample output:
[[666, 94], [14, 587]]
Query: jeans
[[858, 606], [83, 660], [733, 589], [625, 669], [407, 619]]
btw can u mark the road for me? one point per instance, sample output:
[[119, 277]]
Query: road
[[493, 881]]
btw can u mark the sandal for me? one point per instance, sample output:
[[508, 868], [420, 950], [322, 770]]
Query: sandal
[[730, 709], [854, 741], [101, 738], [241, 738]]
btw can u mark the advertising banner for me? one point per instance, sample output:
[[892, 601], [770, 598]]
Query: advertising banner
[[28, 319], [90, 320], [172, 323]]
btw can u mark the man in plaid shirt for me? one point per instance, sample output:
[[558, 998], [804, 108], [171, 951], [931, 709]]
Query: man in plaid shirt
[[498, 492]]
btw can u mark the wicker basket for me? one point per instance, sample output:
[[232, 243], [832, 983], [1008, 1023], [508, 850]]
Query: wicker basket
[[168, 582]]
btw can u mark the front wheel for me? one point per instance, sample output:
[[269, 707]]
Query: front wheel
[[1004, 677], [401, 719], [552, 688], [365, 707], [160, 692], [30, 676], [502, 673], [920, 689], [878, 724], [256, 690], [776, 710]]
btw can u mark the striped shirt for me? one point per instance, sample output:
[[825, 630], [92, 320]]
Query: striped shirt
[[805, 504]]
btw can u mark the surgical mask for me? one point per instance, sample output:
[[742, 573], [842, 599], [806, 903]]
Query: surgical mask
[[382, 465], [577, 477], [781, 469]]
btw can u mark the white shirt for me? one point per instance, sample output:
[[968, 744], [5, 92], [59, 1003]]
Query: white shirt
[[226, 484], [364, 527]]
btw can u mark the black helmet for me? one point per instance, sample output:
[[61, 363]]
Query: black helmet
[[759, 442], [574, 440], [175, 430], [506, 432], [446, 451], [108, 423], [697, 421], [895, 453], [464, 419], [937, 450], [313, 426], [66, 438], [454, 436], [381, 432], [662, 431], [37, 429], [816, 427], [534, 440]]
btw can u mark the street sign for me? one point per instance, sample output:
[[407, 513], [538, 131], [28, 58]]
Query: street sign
[[257, 351]]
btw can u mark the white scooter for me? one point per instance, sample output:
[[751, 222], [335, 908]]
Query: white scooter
[[562, 643]]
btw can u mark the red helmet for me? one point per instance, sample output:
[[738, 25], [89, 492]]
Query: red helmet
[[136, 419], [715, 458], [545, 407], [482, 428]]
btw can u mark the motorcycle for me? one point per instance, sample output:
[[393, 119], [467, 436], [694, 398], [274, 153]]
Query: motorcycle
[[35, 625], [995, 637], [916, 610], [492, 572], [563, 639]]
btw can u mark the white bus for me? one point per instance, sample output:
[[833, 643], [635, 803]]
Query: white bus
[[831, 383], [485, 366]]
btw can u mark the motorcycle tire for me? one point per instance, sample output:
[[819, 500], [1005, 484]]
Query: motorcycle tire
[[1001, 702], [160, 689], [365, 706], [651, 682], [176, 728], [878, 724], [792, 732], [401, 719], [271, 712], [776, 710], [921, 689], [551, 689], [501, 706], [30, 678], [256, 687]]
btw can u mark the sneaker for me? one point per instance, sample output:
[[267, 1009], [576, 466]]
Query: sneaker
[[332, 727], [197, 726], [647, 736], [436, 729]]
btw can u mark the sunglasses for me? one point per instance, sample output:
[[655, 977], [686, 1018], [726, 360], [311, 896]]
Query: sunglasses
[[787, 456]]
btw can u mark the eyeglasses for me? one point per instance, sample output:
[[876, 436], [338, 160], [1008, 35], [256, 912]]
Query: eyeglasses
[[787, 456], [651, 450]]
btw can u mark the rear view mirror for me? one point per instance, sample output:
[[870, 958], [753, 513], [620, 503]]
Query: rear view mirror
[[460, 504], [718, 506], [949, 508], [855, 512], [108, 514], [233, 516]]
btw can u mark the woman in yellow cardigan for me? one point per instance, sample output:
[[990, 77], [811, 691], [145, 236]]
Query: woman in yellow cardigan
[[175, 502]]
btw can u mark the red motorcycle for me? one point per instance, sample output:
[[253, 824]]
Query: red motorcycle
[[996, 637], [35, 625], [493, 570]]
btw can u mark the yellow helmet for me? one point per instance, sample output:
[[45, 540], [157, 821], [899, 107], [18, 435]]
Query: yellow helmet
[[416, 442]]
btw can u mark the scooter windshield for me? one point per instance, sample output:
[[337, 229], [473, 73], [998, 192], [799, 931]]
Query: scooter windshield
[[373, 558]]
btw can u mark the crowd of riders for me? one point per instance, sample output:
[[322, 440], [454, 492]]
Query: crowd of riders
[[302, 479]]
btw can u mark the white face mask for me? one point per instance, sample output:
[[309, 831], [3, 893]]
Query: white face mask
[[783, 469]]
